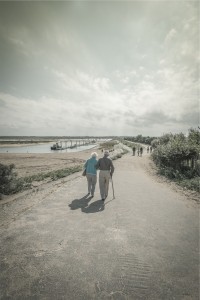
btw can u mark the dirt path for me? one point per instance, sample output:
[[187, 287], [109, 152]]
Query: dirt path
[[56, 243]]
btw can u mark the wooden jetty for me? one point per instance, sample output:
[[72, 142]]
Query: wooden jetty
[[72, 143]]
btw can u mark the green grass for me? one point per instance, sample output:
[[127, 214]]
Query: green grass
[[190, 184], [16, 185], [187, 180], [54, 175]]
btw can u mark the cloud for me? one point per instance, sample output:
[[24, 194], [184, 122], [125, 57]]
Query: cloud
[[170, 36], [93, 68]]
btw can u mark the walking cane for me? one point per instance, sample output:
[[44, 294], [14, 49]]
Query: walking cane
[[113, 188]]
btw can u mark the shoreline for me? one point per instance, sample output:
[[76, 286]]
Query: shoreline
[[12, 145], [27, 164]]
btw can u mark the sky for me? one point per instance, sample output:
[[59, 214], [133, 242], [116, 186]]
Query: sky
[[99, 68]]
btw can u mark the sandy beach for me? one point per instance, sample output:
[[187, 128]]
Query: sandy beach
[[27, 164]]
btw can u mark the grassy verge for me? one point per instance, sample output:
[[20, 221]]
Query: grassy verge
[[14, 185], [108, 145], [190, 184], [183, 179]]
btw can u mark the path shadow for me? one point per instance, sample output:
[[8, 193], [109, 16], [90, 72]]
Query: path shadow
[[80, 203], [94, 207]]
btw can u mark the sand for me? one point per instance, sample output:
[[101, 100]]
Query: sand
[[27, 164]]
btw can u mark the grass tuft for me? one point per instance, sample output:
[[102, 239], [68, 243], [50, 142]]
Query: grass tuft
[[10, 184]]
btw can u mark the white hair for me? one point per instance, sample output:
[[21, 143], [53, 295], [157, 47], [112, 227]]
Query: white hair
[[94, 154]]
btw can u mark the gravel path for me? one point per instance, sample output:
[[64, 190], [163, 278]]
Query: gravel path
[[56, 243]]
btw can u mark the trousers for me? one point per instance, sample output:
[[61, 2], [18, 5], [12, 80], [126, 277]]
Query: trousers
[[104, 177], [92, 180]]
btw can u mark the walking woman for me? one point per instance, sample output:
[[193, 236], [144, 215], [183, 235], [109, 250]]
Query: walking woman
[[91, 173]]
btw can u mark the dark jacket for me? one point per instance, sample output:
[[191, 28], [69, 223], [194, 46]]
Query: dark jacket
[[105, 164]]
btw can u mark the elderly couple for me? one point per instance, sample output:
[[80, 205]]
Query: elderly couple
[[106, 168]]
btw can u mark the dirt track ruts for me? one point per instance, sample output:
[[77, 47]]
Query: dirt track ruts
[[63, 245]]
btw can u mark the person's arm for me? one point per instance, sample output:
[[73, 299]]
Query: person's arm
[[97, 166]]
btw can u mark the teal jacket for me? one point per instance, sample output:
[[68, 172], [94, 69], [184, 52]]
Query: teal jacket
[[90, 166]]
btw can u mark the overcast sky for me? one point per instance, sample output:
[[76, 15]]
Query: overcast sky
[[99, 67]]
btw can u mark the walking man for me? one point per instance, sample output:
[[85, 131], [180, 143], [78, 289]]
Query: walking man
[[133, 150], [106, 168], [141, 151]]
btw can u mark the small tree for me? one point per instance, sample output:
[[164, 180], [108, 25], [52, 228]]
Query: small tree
[[7, 175]]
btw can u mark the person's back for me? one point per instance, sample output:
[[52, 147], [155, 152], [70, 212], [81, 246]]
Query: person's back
[[105, 164], [90, 166], [106, 168]]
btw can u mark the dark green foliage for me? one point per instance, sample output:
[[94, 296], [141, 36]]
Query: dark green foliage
[[108, 145], [140, 139], [155, 143], [10, 184], [6, 173], [191, 184], [177, 157], [194, 136]]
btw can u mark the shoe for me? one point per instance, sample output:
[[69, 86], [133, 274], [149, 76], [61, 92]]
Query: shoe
[[103, 199], [92, 195]]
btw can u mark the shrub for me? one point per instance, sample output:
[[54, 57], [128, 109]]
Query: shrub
[[177, 157], [108, 145], [174, 153], [10, 184], [6, 173], [7, 178]]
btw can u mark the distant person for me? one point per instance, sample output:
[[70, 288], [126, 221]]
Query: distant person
[[105, 165], [133, 150], [91, 173], [138, 151], [141, 151], [148, 149], [151, 149]]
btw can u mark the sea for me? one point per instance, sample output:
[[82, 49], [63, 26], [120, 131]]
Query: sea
[[46, 147], [43, 148]]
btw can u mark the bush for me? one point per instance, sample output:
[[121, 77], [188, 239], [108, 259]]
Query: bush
[[177, 157], [7, 178], [6, 173], [108, 145], [10, 184], [175, 153]]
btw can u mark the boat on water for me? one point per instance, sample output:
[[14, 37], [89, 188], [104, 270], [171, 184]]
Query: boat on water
[[56, 146]]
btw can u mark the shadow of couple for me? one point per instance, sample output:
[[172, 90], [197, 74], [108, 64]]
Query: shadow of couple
[[83, 204]]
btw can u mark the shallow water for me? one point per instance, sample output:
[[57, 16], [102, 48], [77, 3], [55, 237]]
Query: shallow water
[[43, 148]]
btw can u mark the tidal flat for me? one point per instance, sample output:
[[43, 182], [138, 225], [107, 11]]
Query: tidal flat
[[28, 164]]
